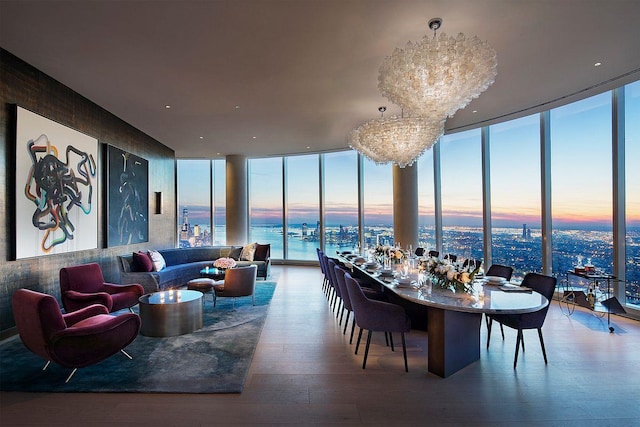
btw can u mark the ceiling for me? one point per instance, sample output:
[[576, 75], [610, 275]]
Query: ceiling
[[274, 77]]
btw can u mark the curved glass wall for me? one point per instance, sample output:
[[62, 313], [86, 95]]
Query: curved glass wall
[[581, 168]]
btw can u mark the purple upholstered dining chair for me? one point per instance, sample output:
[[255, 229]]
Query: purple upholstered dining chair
[[546, 286], [83, 285], [74, 340], [375, 315]]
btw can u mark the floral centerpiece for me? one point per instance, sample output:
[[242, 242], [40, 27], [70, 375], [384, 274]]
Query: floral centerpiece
[[448, 275], [394, 254], [224, 263]]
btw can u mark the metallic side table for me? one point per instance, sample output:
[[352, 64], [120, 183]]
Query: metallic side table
[[169, 313]]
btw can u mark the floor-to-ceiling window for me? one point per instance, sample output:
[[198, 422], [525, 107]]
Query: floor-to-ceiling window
[[340, 201], [632, 170], [378, 204], [461, 183], [265, 203], [581, 184], [194, 203], [303, 207], [426, 211], [515, 194]]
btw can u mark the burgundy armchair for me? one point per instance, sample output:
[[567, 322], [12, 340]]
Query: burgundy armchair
[[83, 285], [74, 340]]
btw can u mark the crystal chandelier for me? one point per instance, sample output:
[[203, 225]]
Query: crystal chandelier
[[433, 79], [438, 75], [399, 140]]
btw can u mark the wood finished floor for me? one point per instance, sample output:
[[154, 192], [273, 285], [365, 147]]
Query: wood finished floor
[[304, 372]]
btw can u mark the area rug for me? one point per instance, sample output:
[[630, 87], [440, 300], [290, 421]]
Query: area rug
[[214, 359]]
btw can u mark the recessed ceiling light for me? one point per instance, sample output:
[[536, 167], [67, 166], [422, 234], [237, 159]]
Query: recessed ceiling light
[[253, 137], [474, 111], [237, 107], [597, 64], [202, 137], [217, 154], [167, 106], [308, 147]]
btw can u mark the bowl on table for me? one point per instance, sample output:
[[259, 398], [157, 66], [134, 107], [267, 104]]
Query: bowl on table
[[495, 280]]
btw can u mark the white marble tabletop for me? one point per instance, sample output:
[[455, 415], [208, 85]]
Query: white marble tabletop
[[485, 298]]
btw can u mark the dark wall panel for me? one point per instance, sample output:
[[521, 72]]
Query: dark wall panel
[[23, 85]]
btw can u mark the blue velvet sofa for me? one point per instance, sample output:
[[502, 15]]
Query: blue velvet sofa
[[184, 264]]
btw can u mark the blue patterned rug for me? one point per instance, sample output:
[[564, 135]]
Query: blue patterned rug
[[214, 359]]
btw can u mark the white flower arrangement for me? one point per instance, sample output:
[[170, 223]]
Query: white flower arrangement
[[224, 263], [447, 275]]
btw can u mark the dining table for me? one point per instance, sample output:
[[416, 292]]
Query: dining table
[[453, 318]]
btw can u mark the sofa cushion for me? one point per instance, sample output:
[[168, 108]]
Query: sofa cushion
[[248, 252], [158, 260], [235, 253], [262, 252], [141, 262]]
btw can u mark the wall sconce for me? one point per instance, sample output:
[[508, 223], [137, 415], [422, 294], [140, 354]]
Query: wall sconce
[[158, 202]]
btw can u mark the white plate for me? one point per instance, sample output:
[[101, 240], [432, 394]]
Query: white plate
[[495, 279]]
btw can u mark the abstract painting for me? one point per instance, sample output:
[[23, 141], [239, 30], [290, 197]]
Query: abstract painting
[[56, 187], [128, 198]]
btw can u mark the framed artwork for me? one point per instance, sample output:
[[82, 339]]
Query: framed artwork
[[128, 198], [56, 187]]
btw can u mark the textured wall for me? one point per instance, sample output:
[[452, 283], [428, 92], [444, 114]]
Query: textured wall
[[23, 85]]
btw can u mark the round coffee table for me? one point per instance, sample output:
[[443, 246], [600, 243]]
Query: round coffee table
[[169, 313]]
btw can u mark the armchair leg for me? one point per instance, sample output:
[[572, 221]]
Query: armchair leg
[[366, 350], [544, 353], [126, 354], [502, 331], [46, 365], [70, 375], [391, 341]]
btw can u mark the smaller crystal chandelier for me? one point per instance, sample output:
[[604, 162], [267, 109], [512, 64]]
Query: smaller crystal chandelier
[[398, 140]]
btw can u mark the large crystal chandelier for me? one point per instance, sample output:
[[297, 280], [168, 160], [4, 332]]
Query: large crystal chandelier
[[399, 140], [438, 75], [432, 79]]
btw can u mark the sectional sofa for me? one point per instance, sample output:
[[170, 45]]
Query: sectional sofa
[[184, 264]]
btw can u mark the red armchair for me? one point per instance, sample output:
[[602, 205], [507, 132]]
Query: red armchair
[[73, 340], [83, 285]]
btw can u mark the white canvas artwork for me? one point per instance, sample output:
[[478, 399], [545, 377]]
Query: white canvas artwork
[[56, 187]]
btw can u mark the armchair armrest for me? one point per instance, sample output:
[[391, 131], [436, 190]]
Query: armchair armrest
[[93, 310], [83, 299], [112, 288]]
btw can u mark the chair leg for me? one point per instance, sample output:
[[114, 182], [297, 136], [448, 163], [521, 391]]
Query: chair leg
[[358, 341], [502, 331], [126, 354], [489, 324], [391, 341], [544, 353], [346, 323], [353, 328], [215, 299], [518, 339], [253, 299], [386, 339], [131, 308], [404, 352], [70, 375], [366, 350]]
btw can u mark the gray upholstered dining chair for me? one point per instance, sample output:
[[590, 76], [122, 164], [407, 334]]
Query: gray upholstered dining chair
[[542, 284], [238, 282], [498, 270], [375, 315]]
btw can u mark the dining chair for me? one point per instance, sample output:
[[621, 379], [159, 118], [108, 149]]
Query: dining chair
[[434, 254], [542, 284], [499, 271], [378, 316], [474, 263], [419, 251], [336, 303], [451, 257]]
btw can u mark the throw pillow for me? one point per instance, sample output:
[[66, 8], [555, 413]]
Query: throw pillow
[[158, 260], [262, 252], [248, 251], [141, 262], [235, 253]]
